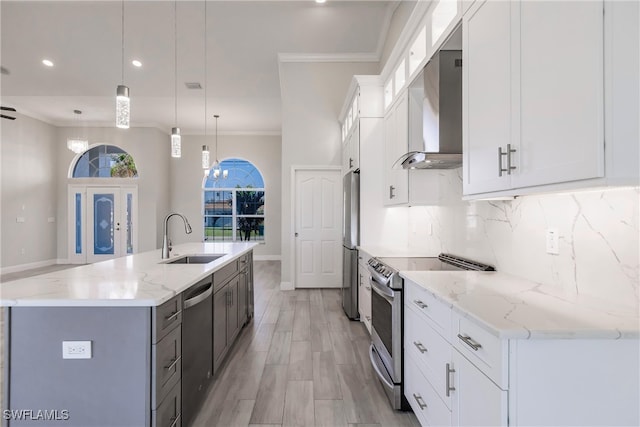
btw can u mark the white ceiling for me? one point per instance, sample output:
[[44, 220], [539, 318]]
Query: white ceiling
[[244, 38]]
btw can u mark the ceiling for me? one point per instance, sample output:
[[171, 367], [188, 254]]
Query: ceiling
[[244, 38]]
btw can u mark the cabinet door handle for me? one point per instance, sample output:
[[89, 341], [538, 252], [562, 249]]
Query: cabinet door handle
[[470, 342], [449, 371], [420, 303], [420, 401], [172, 364], [500, 168], [172, 316], [509, 151], [350, 162], [391, 190], [174, 420], [420, 347]]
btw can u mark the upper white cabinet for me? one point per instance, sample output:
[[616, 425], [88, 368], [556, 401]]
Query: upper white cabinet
[[364, 101], [533, 94], [396, 143]]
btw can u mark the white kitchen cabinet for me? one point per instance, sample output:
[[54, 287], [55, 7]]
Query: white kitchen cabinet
[[351, 150], [364, 290], [396, 143], [527, 121], [460, 372], [477, 401], [486, 94]]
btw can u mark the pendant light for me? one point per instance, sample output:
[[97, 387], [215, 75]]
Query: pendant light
[[176, 143], [205, 148], [216, 163], [122, 92], [79, 144]]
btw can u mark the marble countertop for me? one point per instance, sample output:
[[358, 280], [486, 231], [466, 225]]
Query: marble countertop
[[512, 307], [142, 279]]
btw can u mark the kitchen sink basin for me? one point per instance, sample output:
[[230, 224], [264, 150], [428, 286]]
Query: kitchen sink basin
[[195, 259]]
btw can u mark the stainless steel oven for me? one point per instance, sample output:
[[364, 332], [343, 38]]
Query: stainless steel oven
[[387, 318]]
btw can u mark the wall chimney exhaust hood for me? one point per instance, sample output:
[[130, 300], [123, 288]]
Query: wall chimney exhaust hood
[[435, 114]]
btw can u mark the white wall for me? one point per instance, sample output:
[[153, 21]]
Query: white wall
[[398, 21], [150, 150], [29, 159], [187, 179], [312, 95]]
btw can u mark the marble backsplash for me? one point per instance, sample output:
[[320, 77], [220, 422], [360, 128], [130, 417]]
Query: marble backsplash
[[599, 237]]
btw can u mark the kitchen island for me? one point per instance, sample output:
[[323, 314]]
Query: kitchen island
[[120, 342]]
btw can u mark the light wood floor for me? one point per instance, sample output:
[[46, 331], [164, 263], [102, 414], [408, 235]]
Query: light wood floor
[[299, 362]]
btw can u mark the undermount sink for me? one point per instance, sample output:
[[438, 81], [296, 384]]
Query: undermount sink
[[194, 259]]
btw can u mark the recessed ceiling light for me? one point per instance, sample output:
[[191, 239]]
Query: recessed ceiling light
[[47, 62], [321, 1], [136, 63]]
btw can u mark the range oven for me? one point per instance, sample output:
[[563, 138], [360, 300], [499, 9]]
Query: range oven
[[387, 300]]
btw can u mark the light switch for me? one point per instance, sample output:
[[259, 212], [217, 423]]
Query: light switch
[[76, 349], [553, 246], [20, 219], [51, 219]]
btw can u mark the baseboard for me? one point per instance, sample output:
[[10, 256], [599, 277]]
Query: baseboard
[[267, 258], [27, 266], [286, 286]]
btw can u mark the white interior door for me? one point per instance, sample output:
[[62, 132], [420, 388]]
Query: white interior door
[[110, 217], [318, 200]]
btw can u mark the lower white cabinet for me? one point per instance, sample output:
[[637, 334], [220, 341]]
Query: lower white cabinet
[[476, 400], [466, 375]]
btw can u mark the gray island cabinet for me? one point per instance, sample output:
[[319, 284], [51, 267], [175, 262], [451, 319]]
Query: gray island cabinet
[[122, 342]]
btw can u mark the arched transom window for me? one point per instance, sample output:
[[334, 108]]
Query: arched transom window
[[105, 161], [234, 202]]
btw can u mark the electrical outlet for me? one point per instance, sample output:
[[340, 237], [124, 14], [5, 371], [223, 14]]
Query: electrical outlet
[[553, 237], [76, 349], [20, 219]]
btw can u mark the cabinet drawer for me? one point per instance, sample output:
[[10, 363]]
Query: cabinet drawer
[[243, 261], [430, 351], [428, 407], [166, 365], [485, 350], [165, 317], [169, 413], [221, 276], [437, 313]]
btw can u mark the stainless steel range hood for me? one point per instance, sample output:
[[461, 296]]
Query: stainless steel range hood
[[435, 115]]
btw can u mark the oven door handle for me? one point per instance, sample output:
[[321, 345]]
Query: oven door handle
[[384, 291], [379, 369]]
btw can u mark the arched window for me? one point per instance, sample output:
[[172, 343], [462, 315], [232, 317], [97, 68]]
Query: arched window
[[105, 161], [234, 202]]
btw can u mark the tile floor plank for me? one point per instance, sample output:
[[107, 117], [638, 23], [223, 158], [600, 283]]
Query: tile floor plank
[[300, 361], [298, 406], [269, 404], [279, 349], [301, 322], [237, 415], [329, 413], [326, 384], [285, 320]]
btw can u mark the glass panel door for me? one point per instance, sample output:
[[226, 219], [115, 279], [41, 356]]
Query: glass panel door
[[103, 224]]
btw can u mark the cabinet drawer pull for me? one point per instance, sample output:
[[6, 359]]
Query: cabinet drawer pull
[[420, 347], [391, 190], [172, 316], [420, 401], [172, 364], [449, 371], [350, 162], [509, 151], [470, 342], [174, 420], [420, 303]]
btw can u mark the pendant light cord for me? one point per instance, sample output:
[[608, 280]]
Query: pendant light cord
[[175, 59], [205, 69], [122, 42]]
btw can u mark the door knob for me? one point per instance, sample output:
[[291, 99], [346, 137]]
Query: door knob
[[296, 234]]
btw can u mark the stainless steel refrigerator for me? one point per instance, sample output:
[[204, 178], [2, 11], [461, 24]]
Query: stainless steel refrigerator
[[350, 239]]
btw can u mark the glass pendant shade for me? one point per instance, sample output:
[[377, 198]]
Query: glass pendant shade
[[77, 145], [205, 157], [122, 107], [176, 143]]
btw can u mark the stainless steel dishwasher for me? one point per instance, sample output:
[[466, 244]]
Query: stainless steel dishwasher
[[196, 347]]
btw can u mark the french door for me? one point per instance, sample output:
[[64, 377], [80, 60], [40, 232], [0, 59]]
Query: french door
[[102, 222]]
